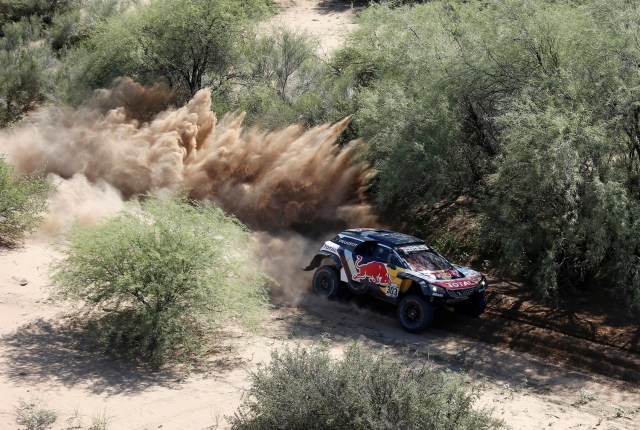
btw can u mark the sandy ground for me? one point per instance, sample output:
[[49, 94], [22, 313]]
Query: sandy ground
[[41, 358], [330, 21]]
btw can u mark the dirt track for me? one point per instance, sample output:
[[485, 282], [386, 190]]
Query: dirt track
[[577, 339], [40, 355], [584, 340], [520, 380]]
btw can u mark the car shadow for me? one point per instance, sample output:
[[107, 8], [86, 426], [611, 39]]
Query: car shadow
[[492, 354]]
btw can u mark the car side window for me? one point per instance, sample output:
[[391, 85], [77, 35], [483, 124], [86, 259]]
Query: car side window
[[394, 260], [380, 253], [366, 250]]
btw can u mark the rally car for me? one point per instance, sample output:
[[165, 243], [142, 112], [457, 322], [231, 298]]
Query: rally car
[[399, 269]]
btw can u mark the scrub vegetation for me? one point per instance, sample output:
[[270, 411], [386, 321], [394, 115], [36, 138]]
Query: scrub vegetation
[[162, 281], [518, 117], [22, 202], [505, 131], [308, 388]]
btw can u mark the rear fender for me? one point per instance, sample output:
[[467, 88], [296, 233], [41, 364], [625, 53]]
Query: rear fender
[[319, 257]]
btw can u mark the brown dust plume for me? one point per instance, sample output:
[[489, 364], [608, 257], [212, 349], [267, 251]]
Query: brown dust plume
[[286, 185]]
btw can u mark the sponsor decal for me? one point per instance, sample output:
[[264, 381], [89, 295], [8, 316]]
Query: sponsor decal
[[447, 274], [414, 248], [464, 283], [346, 242], [331, 247], [374, 271]]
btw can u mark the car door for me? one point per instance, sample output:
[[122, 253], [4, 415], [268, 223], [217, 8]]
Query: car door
[[378, 267]]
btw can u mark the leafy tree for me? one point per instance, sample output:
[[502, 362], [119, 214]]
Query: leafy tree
[[28, 70], [307, 388], [281, 81], [410, 110], [34, 36], [22, 202], [163, 280], [189, 44], [42, 10], [527, 111]]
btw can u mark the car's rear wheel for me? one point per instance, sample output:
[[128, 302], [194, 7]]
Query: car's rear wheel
[[415, 313], [474, 307], [326, 281]]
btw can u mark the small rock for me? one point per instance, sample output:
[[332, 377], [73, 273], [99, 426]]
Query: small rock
[[21, 281]]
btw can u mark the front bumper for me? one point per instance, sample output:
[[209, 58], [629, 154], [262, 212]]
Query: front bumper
[[451, 296]]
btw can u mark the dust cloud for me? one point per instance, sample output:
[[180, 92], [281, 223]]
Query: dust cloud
[[293, 187]]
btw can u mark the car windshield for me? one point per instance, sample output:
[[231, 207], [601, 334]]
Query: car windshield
[[426, 260]]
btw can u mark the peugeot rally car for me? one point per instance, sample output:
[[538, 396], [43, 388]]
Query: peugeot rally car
[[399, 269]]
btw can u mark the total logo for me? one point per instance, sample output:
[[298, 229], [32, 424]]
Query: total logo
[[331, 247], [456, 284]]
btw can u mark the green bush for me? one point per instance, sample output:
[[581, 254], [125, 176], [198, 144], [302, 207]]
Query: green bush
[[528, 110], [28, 70], [34, 415], [16, 10], [22, 202], [162, 281], [308, 389], [281, 69], [188, 44]]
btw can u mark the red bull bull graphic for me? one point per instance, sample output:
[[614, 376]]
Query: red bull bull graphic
[[374, 271]]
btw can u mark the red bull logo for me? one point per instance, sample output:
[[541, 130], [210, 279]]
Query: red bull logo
[[375, 272]]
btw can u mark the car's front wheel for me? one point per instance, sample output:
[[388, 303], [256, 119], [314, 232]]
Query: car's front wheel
[[415, 313], [326, 281]]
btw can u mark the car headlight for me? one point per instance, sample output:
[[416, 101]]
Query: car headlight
[[483, 283], [436, 289]]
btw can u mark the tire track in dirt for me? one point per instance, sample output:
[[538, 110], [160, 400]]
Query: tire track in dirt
[[534, 329], [553, 346]]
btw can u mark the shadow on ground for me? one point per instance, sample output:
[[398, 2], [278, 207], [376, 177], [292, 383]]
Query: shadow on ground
[[498, 356], [41, 351]]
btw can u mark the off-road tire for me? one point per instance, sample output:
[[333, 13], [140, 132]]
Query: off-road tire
[[326, 281], [474, 307], [415, 313]]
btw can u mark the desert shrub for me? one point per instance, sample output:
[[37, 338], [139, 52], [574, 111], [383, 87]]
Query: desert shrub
[[28, 69], [282, 80], [162, 281], [187, 44], [305, 388], [528, 111], [22, 202], [14, 11], [281, 68], [34, 415]]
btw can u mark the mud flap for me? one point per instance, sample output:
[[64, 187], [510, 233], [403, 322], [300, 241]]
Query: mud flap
[[317, 261]]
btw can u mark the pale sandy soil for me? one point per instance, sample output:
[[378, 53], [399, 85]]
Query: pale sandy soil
[[330, 21], [41, 357]]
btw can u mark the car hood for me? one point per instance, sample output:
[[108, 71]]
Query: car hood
[[457, 278]]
